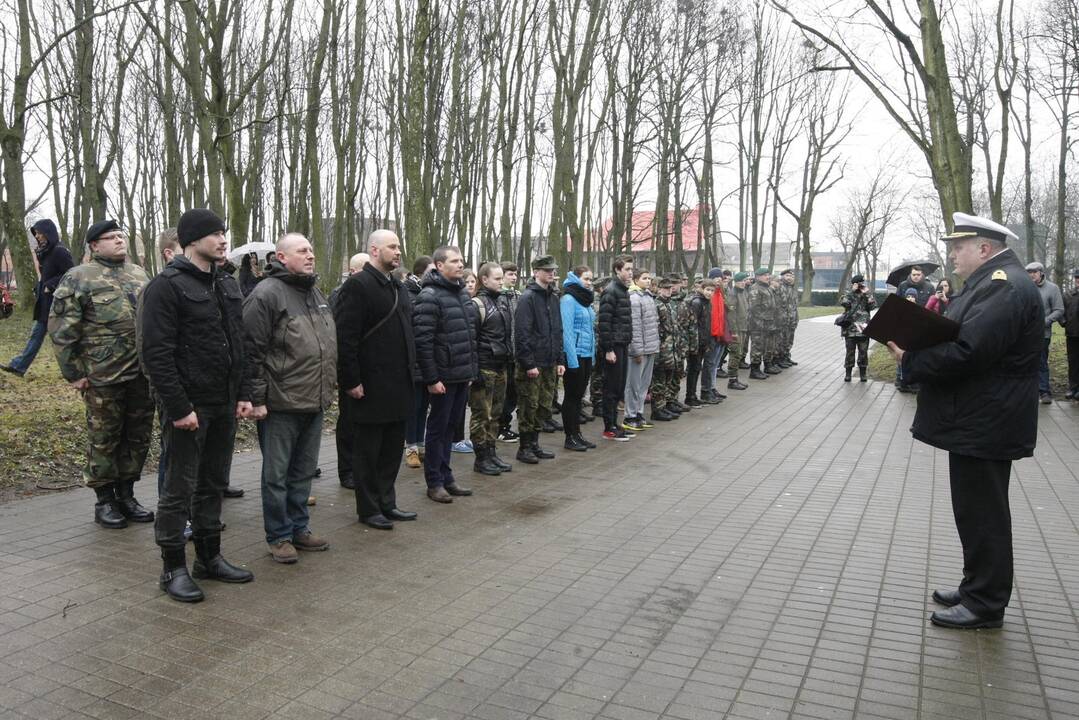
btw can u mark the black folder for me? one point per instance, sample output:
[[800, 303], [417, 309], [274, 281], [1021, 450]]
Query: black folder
[[909, 325]]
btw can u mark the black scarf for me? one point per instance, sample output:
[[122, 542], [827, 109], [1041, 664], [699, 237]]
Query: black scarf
[[580, 293]]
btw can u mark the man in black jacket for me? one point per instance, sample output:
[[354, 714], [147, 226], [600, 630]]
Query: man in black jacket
[[53, 260], [615, 323], [375, 355], [443, 322], [979, 401], [1071, 332], [537, 342], [192, 349]]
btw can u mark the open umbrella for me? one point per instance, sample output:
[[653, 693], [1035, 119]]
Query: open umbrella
[[901, 273], [259, 248]]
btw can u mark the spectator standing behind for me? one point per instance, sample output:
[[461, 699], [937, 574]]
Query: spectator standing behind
[[615, 325], [53, 261], [642, 351], [248, 279], [291, 347], [495, 355], [858, 302], [977, 403], [416, 422], [375, 358], [342, 433], [192, 348], [509, 289], [539, 356], [941, 298], [92, 325], [1071, 332], [444, 328], [924, 289], [579, 347], [1053, 305]]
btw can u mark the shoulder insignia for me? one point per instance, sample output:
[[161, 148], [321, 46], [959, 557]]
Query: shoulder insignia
[[1000, 275]]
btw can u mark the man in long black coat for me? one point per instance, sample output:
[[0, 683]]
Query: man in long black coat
[[375, 354], [979, 401]]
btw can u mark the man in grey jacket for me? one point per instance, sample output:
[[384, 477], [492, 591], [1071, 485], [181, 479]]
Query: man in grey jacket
[[1053, 303], [642, 351], [292, 362]]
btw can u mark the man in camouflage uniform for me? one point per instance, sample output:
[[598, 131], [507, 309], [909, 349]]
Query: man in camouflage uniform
[[92, 325], [762, 319], [738, 324], [664, 380], [789, 318], [683, 319]]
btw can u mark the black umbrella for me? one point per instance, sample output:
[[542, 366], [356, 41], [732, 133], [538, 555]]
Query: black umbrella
[[901, 273]]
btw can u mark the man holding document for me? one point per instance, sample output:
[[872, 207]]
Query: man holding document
[[979, 401]]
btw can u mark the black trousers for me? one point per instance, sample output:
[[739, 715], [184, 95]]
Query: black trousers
[[198, 473], [343, 434], [1073, 363], [693, 374], [984, 521], [510, 403], [614, 385], [376, 457], [861, 344], [574, 383]]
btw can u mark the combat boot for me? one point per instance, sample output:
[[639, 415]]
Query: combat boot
[[771, 369], [127, 504], [483, 464], [524, 450], [572, 443], [782, 363], [499, 462], [539, 452], [789, 360], [692, 402], [846, 374], [862, 374], [734, 384], [107, 511], [680, 407], [209, 565], [755, 373], [660, 414], [175, 580], [673, 409]]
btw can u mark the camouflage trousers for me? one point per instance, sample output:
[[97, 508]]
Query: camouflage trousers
[[761, 346], [485, 399], [665, 383], [595, 388], [119, 425], [735, 354], [534, 398]]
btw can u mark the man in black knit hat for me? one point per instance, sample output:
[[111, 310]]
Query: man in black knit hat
[[192, 348]]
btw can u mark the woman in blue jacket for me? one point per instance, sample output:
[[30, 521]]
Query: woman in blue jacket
[[579, 343]]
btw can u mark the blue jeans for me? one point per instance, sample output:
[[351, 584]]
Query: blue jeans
[[21, 362], [289, 444], [710, 363], [1043, 369]]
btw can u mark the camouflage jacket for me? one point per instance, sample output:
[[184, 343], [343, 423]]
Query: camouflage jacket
[[762, 308], [738, 312], [791, 296], [670, 350], [92, 322], [857, 306], [686, 324]]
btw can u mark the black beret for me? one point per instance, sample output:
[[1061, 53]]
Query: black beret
[[100, 228]]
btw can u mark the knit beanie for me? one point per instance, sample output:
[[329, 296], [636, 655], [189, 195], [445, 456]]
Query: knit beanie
[[196, 224], [714, 273]]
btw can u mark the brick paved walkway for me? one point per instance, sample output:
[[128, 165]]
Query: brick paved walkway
[[768, 558]]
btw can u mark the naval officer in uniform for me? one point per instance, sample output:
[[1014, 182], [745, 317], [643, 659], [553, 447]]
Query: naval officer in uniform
[[979, 401]]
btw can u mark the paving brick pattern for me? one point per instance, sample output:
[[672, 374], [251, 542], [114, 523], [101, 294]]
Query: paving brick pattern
[[771, 557]]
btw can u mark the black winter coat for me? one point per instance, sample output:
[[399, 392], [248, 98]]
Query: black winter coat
[[1071, 313], [979, 393], [701, 309], [615, 317], [191, 338], [381, 360], [538, 329], [494, 330], [53, 260], [444, 323], [413, 286]]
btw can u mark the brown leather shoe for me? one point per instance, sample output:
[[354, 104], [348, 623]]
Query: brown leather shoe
[[439, 494], [311, 542], [455, 489], [283, 552]]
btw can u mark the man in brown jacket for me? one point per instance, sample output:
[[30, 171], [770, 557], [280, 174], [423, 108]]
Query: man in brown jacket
[[292, 363]]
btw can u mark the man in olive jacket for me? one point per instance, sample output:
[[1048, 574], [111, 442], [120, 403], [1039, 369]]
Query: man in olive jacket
[[292, 357], [979, 401]]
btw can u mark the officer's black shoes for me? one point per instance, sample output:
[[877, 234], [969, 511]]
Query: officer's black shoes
[[381, 522], [127, 504], [572, 443], [209, 565], [525, 453], [734, 384], [582, 441], [234, 492], [862, 374], [947, 598], [174, 580], [756, 374], [961, 618], [400, 515], [347, 481], [483, 464], [457, 491], [846, 374], [107, 511]]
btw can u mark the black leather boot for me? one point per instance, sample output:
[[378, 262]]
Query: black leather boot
[[846, 374], [483, 463], [502, 464], [538, 451], [129, 506], [580, 439], [755, 373], [572, 443], [107, 511], [174, 578], [209, 565], [861, 374], [525, 453]]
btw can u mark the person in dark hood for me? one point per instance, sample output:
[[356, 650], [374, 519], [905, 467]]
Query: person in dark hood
[[248, 278], [54, 260]]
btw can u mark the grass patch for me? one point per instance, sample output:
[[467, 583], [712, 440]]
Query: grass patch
[[813, 311]]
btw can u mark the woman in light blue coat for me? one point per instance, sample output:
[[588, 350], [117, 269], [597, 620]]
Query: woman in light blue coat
[[579, 342]]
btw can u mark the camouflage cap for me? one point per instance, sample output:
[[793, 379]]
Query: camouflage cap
[[545, 262], [762, 271]]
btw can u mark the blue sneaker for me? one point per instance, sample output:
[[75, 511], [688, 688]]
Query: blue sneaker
[[464, 446]]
